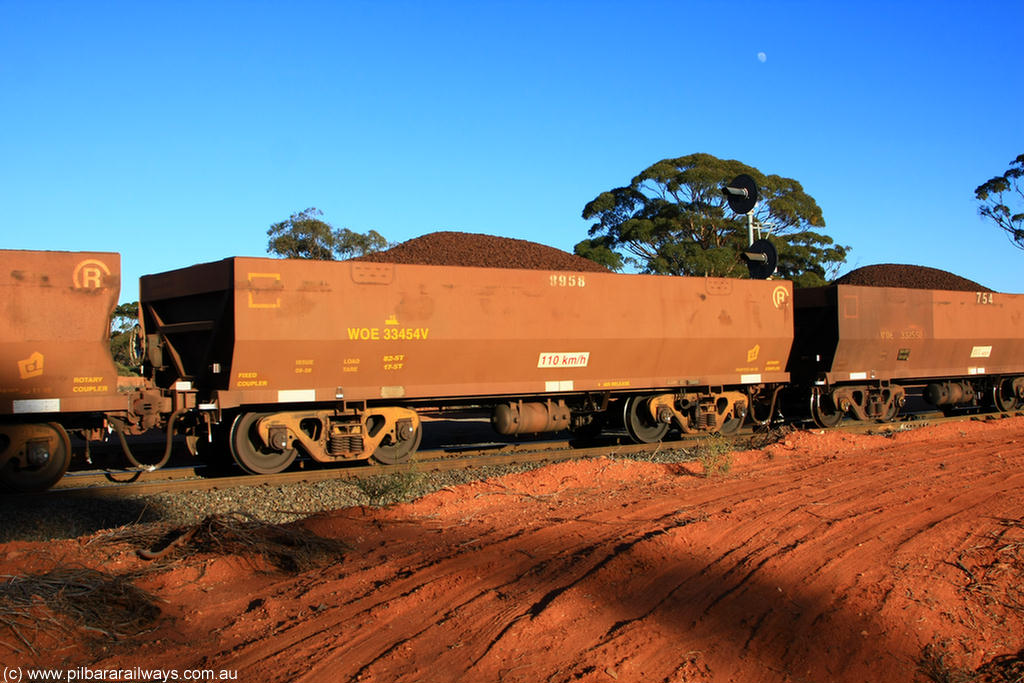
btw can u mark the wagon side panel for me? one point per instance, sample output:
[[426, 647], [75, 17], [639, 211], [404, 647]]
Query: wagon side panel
[[887, 333], [55, 310], [308, 331]]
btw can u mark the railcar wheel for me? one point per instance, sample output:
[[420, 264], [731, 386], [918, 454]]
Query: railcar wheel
[[892, 412], [39, 467], [250, 454], [639, 424], [399, 453], [1004, 398], [824, 411]]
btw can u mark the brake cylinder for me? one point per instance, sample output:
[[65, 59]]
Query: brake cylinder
[[530, 417], [949, 393]]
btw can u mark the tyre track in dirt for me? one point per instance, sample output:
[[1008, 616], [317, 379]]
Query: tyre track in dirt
[[826, 557], [607, 589]]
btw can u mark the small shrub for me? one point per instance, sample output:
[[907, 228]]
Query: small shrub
[[715, 455], [384, 489]]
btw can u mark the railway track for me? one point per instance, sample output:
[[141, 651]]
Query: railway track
[[124, 483]]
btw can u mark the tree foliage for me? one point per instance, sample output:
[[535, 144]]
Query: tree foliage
[[305, 235], [673, 219], [1002, 201], [123, 324]]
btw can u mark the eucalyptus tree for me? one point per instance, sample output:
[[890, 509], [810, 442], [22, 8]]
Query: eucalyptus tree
[[673, 219], [306, 235], [1001, 200]]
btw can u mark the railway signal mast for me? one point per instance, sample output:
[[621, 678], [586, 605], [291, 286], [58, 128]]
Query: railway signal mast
[[761, 255]]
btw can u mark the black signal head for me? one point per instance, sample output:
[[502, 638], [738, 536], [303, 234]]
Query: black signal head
[[741, 193], [762, 259]]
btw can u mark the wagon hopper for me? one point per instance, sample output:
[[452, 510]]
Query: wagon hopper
[[56, 371], [858, 349], [334, 358]]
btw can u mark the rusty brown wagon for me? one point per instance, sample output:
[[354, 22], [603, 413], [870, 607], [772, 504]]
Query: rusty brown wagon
[[333, 359], [858, 350], [55, 364], [57, 374]]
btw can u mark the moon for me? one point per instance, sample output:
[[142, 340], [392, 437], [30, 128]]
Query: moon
[[762, 57]]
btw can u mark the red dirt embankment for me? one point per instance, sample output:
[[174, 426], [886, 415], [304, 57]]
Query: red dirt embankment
[[822, 558]]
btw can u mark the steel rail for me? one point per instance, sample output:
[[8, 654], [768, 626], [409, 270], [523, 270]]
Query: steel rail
[[171, 480]]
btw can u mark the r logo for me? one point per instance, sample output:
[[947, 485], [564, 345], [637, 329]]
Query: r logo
[[31, 366], [89, 274], [779, 296]]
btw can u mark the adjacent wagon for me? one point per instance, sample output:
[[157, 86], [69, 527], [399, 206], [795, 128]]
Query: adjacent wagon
[[56, 371], [859, 350]]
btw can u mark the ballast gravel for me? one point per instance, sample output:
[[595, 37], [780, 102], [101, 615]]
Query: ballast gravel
[[54, 516]]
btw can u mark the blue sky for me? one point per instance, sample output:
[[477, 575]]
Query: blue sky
[[176, 133]]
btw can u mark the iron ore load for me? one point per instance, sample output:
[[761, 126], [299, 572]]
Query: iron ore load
[[269, 360]]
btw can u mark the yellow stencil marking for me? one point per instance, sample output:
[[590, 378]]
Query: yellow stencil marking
[[89, 385], [250, 380], [779, 296], [31, 366], [253, 303], [89, 274], [753, 353]]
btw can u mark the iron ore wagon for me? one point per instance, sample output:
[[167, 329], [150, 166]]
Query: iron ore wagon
[[859, 350], [333, 359]]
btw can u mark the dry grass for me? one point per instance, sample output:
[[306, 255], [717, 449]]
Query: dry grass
[[288, 548], [993, 572], [69, 600], [1002, 669], [932, 665], [995, 569], [766, 436], [385, 489]]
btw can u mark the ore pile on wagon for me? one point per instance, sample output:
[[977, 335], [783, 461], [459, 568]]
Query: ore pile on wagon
[[908, 277], [448, 248]]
